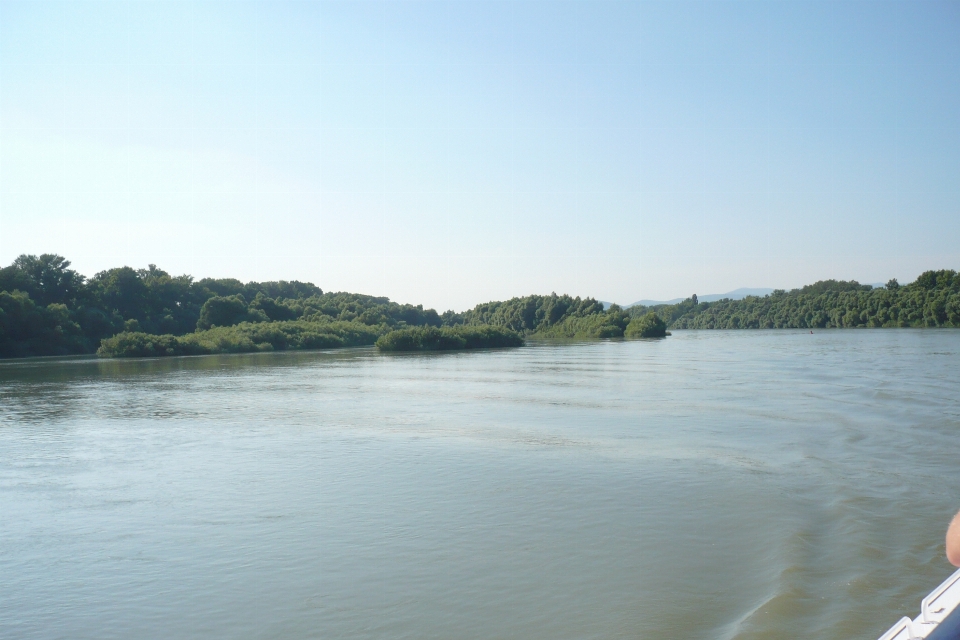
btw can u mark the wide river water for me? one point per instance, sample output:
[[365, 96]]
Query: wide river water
[[712, 485]]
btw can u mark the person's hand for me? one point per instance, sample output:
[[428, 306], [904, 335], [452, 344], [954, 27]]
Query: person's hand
[[953, 541]]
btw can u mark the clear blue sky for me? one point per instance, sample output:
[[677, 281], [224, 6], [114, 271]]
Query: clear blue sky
[[451, 153]]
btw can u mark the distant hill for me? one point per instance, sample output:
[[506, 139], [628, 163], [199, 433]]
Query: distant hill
[[736, 294]]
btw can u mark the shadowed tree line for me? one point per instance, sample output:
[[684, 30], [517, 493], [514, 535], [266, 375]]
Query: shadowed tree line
[[47, 308]]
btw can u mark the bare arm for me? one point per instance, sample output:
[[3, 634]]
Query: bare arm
[[953, 541]]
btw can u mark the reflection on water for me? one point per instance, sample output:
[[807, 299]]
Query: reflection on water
[[712, 485]]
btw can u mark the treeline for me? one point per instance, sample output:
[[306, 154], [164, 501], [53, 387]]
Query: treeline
[[933, 300], [527, 315], [556, 316], [47, 308]]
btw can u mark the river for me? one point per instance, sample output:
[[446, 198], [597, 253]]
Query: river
[[712, 485]]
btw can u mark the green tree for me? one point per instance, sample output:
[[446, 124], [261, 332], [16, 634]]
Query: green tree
[[226, 311], [27, 329], [123, 291], [275, 310], [47, 279]]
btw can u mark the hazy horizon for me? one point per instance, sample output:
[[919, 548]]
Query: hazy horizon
[[453, 153]]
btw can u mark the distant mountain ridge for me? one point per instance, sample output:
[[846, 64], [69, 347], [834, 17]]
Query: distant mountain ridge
[[736, 294]]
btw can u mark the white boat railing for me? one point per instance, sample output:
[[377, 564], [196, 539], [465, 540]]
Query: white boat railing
[[939, 604]]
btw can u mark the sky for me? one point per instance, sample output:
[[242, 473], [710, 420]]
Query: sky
[[454, 152]]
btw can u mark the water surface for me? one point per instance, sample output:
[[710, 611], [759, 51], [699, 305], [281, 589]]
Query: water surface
[[755, 484]]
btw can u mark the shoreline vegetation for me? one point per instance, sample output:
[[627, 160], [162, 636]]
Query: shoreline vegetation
[[47, 309], [245, 337], [449, 338]]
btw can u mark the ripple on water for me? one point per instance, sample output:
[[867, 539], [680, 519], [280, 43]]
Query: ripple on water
[[770, 484]]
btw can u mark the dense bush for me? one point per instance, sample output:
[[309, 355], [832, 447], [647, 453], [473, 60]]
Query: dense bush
[[449, 338], [647, 326], [242, 338], [550, 316], [136, 344], [608, 324]]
